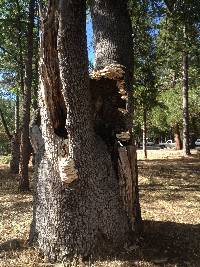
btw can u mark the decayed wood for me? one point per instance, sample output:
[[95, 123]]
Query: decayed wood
[[51, 75], [66, 164], [111, 98], [114, 127], [127, 180], [113, 72]]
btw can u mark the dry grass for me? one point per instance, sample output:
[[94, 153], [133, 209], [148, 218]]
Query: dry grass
[[170, 196]]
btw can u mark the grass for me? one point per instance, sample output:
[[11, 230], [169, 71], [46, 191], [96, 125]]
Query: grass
[[169, 195]]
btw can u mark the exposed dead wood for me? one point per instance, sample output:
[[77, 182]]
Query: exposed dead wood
[[109, 98], [127, 180], [66, 164], [50, 71]]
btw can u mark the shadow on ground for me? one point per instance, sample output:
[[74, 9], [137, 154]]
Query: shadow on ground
[[170, 194], [164, 244], [170, 179], [175, 243]]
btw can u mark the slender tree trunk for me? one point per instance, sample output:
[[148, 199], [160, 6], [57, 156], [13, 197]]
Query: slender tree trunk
[[112, 34], [19, 43], [14, 144], [77, 207], [177, 137], [36, 64], [15, 153], [15, 141], [145, 133], [25, 142], [186, 142]]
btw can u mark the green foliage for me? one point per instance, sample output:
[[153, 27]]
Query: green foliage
[[161, 33], [145, 84], [13, 52]]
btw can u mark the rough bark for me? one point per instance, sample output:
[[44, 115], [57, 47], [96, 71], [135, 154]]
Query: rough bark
[[113, 45], [145, 133], [177, 137], [77, 207], [186, 141], [25, 141]]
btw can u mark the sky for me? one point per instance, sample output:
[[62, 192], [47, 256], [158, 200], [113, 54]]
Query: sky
[[89, 39]]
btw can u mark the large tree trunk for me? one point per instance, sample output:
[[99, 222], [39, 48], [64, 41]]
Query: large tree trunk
[[177, 137], [25, 142], [186, 141], [76, 199], [113, 45], [144, 133]]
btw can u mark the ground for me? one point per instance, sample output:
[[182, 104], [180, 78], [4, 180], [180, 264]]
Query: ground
[[169, 194]]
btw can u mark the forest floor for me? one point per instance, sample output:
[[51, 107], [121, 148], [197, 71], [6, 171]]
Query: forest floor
[[169, 195]]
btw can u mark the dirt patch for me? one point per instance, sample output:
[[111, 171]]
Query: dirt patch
[[169, 194]]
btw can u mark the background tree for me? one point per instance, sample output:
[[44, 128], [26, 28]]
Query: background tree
[[13, 25], [145, 90], [180, 40], [25, 141]]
